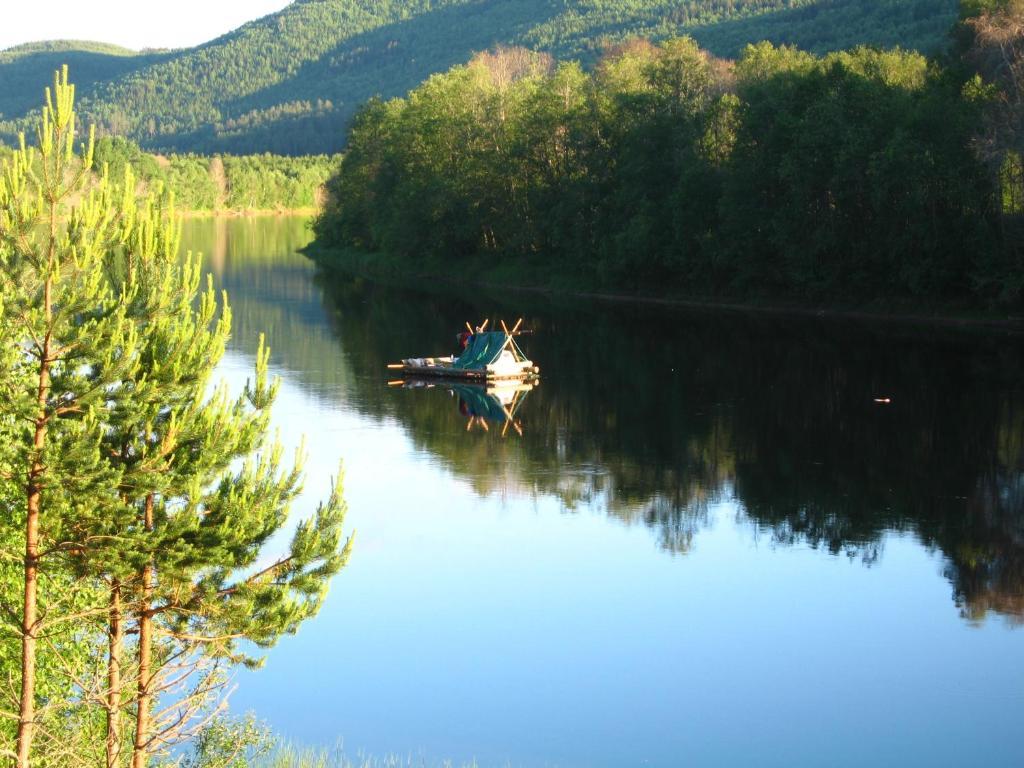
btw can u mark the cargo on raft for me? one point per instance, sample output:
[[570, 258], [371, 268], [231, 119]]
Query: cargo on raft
[[486, 356]]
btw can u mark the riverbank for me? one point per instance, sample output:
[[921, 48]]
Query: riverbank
[[552, 281], [238, 213]]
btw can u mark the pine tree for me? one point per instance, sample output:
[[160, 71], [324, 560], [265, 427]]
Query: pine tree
[[198, 526], [75, 354], [135, 476], [196, 588]]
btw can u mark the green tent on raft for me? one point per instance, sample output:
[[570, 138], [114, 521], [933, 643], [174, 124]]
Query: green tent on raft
[[484, 349]]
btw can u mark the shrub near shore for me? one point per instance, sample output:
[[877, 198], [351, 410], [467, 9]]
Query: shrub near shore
[[225, 183]]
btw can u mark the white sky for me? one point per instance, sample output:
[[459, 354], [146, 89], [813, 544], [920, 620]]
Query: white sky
[[144, 24]]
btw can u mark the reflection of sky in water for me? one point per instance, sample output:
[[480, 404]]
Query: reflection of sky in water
[[502, 627]]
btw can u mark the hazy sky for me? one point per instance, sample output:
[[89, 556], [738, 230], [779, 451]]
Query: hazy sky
[[131, 24]]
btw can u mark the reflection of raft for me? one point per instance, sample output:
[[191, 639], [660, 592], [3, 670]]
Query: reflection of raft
[[489, 356], [482, 403]]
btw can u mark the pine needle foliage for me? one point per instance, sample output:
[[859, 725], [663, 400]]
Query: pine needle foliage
[[148, 493]]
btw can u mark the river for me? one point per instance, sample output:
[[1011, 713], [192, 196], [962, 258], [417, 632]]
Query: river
[[721, 539]]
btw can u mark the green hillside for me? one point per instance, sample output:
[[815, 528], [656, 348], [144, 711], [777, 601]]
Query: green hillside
[[289, 82], [25, 69]]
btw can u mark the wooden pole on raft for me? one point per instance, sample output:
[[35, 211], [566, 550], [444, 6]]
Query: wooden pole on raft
[[508, 333]]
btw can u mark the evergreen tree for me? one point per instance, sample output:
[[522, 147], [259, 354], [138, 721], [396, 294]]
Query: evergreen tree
[[76, 353], [192, 584], [127, 472]]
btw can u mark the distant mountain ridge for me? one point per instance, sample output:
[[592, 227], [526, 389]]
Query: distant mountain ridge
[[290, 81], [51, 46]]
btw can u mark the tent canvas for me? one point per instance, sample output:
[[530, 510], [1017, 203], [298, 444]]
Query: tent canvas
[[488, 356], [483, 350]]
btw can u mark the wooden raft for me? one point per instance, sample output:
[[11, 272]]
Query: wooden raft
[[513, 367]]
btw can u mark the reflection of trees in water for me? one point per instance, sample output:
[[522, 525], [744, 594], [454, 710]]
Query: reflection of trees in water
[[654, 416], [676, 521], [985, 566], [818, 461], [675, 517], [269, 286], [596, 434]]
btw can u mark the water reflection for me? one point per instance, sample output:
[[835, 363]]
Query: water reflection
[[481, 404], [655, 415]]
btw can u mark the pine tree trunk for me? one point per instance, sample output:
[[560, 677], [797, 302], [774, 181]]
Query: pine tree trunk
[[26, 718], [115, 639], [29, 616], [142, 725]]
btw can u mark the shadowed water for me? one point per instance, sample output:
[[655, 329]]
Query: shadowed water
[[711, 544]]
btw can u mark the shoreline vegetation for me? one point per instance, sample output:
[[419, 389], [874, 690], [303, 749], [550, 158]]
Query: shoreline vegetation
[[241, 213], [390, 270], [868, 181], [217, 185]]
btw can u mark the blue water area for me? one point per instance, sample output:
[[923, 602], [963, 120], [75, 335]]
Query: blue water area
[[706, 538]]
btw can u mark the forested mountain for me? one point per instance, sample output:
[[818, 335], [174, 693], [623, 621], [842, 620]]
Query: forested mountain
[[289, 82], [25, 69]]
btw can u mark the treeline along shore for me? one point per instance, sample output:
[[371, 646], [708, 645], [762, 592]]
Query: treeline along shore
[[865, 177], [217, 184]]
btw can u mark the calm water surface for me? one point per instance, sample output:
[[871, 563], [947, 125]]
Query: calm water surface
[[709, 545]]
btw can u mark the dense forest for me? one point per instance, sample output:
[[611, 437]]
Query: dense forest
[[290, 82], [855, 176]]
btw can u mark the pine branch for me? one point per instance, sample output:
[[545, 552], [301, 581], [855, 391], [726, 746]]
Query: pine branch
[[256, 577], [203, 639]]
